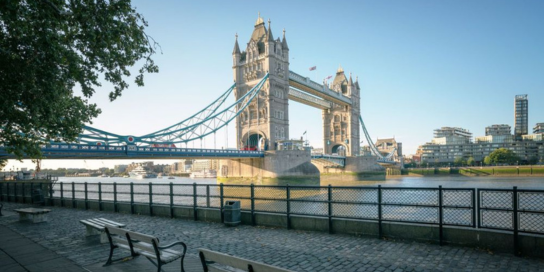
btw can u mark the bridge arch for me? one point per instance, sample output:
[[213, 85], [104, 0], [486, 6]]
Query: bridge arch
[[339, 149], [255, 140]]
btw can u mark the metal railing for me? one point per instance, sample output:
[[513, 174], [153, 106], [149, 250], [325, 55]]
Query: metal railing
[[514, 210]]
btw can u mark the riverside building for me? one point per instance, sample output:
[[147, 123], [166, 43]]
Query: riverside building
[[445, 150], [521, 117], [495, 130], [539, 128], [450, 143]]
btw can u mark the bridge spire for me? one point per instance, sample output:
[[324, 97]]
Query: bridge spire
[[284, 42], [259, 20], [340, 69], [270, 38], [236, 49]]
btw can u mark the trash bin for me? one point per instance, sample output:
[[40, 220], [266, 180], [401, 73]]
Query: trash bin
[[231, 213], [37, 196]]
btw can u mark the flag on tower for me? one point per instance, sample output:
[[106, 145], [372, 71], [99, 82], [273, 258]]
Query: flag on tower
[[313, 68], [304, 133], [329, 77]]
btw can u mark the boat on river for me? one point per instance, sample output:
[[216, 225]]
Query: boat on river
[[204, 174], [140, 173]]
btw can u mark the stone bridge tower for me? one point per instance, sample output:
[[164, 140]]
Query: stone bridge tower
[[341, 123], [266, 120]]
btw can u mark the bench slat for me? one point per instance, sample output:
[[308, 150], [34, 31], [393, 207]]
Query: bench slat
[[88, 223], [109, 222], [239, 263], [142, 244]]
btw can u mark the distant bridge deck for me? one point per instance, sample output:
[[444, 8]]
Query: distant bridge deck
[[79, 151]]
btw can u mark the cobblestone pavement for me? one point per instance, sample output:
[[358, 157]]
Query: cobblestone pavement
[[296, 250]]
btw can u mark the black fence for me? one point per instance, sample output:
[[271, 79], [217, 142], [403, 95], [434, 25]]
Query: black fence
[[518, 211]]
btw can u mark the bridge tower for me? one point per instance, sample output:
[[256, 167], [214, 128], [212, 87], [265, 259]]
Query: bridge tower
[[266, 119], [341, 123]]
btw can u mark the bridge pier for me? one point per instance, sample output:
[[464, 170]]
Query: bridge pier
[[275, 164], [355, 168]]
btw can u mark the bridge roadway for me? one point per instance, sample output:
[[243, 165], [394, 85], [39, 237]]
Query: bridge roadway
[[64, 237], [321, 91], [81, 151]]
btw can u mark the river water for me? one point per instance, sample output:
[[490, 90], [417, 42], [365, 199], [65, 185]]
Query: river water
[[522, 182]]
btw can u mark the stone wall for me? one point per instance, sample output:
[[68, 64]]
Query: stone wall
[[275, 164]]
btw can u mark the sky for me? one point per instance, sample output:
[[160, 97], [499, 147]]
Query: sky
[[421, 64]]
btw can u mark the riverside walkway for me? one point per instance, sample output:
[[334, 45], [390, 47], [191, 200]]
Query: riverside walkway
[[61, 243]]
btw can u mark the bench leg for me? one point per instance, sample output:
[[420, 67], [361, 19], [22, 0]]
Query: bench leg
[[109, 261], [104, 238], [38, 218], [92, 231]]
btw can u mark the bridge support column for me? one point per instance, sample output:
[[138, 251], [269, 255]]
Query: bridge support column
[[356, 168], [275, 164]]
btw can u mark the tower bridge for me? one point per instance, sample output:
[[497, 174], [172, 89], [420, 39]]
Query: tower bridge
[[263, 86]]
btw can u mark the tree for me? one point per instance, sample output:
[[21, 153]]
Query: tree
[[459, 161], [470, 161], [487, 160], [51, 48], [503, 156]]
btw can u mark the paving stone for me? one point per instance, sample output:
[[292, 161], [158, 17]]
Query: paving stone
[[297, 250]]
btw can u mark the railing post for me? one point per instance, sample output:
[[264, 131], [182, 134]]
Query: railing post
[[7, 191], [207, 196], [23, 193], [132, 198], [62, 194], [329, 198], [195, 215], [115, 197], [150, 199], [86, 197], [171, 200], [100, 196], [1, 191], [252, 197], [41, 188], [380, 234], [15, 192], [440, 215], [515, 219], [474, 208], [288, 211], [51, 193], [73, 194], [221, 200]]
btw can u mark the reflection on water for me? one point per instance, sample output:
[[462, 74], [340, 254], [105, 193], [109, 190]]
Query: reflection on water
[[398, 181], [411, 203]]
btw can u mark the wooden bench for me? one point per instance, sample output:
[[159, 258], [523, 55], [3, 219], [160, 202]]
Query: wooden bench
[[33, 214], [214, 261], [142, 244], [96, 226]]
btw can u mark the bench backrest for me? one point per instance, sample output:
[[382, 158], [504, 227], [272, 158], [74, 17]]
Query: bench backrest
[[144, 242], [207, 255]]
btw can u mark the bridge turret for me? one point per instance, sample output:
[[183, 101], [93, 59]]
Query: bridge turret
[[236, 57], [266, 119], [341, 123]]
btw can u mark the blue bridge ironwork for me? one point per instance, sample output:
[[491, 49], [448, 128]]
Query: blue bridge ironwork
[[166, 143]]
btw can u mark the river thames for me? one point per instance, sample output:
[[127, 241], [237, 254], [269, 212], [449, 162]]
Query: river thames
[[452, 181]]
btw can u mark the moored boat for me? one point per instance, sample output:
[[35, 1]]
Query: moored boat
[[140, 173], [204, 174]]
